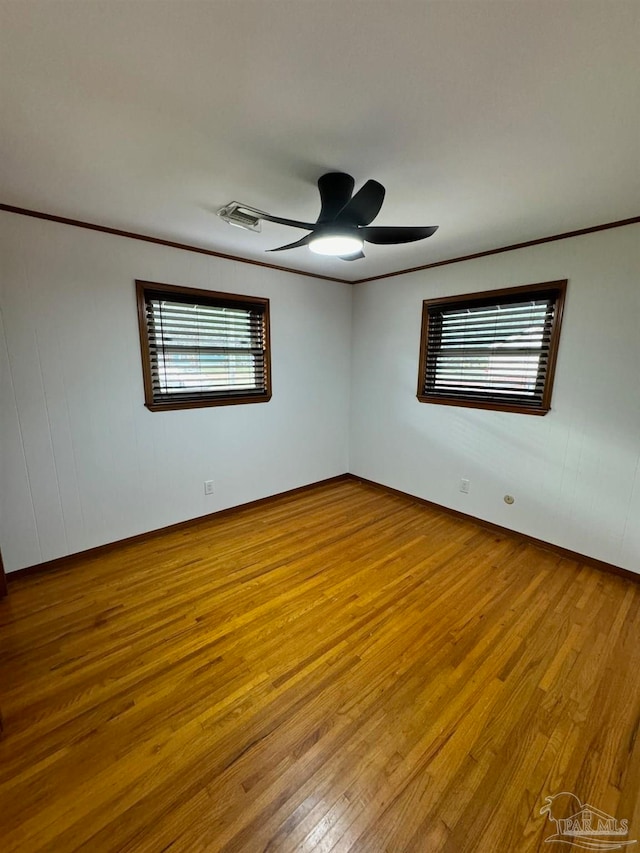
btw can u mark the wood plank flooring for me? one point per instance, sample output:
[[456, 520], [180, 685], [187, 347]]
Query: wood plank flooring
[[338, 670]]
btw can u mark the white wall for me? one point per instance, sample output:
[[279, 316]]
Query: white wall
[[83, 462], [575, 473]]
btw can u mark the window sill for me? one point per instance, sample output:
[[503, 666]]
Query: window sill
[[479, 404], [172, 405]]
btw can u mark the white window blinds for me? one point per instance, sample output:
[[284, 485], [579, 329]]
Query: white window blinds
[[494, 349], [204, 348]]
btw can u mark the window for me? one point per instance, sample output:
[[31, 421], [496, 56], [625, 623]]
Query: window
[[201, 348], [492, 350]]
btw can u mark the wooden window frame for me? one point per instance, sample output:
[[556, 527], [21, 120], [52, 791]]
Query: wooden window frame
[[208, 297], [558, 288]]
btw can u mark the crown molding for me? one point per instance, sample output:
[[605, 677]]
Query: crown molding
[[564, 236], [146, 238], [133, 235]]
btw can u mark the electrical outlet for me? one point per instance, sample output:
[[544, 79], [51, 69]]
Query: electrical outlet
[[464, 486], [208, 487]]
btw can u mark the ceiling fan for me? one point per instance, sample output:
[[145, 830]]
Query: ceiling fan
[[343, 225]]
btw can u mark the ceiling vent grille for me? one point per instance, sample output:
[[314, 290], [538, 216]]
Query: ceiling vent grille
[[241, 216]]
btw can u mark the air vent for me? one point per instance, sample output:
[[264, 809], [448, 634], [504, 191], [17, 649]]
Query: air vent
[[241, 216]]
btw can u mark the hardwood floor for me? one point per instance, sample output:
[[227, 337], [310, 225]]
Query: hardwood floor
[[339, 670]]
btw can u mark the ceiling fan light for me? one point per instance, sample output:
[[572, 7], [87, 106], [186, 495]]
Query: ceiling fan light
[[336, 244]]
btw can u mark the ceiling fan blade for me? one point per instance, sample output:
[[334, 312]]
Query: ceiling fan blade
[[294, 223], [352, 257], [335, 191], [387, 235], [364, 206], [303, 242]]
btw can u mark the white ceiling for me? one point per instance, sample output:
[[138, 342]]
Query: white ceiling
[[497, 121]]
